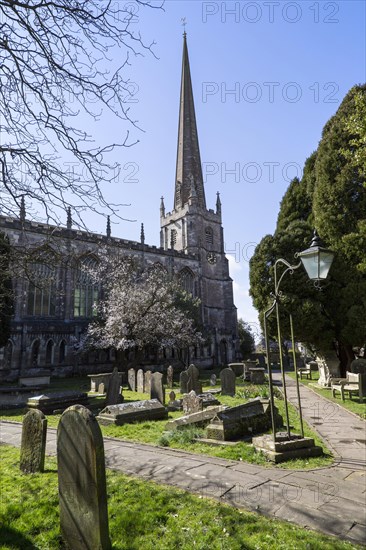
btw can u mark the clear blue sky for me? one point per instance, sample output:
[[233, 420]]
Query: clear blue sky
[[288, 64]]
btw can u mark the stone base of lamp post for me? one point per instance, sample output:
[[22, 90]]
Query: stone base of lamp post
[[284, 448]]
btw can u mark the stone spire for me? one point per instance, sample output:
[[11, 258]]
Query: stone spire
[[108, 226], [188, 154], [142, 234], [162, 207]]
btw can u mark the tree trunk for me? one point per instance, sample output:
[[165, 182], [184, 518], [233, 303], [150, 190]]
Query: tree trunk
[[346, 356]]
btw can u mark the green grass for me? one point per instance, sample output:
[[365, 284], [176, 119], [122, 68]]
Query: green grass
[[154, 432], [352, 404], [142, 516]]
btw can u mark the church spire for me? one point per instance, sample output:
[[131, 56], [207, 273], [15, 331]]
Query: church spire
[[188, 154]]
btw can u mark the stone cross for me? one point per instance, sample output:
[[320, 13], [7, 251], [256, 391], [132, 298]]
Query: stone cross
[[131, 375], [82, 481], [192, 403], [157, 389], [33, 445], [227, 382], [169, 377], [140, 381], [114, 396], [148, 381]]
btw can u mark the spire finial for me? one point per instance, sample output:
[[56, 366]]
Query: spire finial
[[108, 226], [69, 219], [22, 209], [142, 235], [162, 207], [218, 203], [184, 23]]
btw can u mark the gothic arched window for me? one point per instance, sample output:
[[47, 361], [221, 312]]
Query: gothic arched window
[[34, 357], [41, 289], [62, 352], [49, 352], [86, 291], [209, 235], [186, 280]]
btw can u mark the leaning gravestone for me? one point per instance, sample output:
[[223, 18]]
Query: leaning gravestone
[[114, 389], [157, 389], [82, 481], [33, 446], [131, 376], [192, 403], [140, 381], [193, 379], [227, 382], [183, 379], [148, 381], [169, 376]]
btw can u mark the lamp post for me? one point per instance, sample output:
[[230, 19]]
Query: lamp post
[[317, 261]]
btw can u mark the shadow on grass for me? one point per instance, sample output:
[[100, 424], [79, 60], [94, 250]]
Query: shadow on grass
[[15, 539]]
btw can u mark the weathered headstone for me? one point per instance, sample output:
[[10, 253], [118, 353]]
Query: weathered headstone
[[114, 389], [157, 389], [227, 382], [131, 377], [193, 379], [148, 381], [183, 379], [192, 403], [101, 388], [140, 381], [172, 396], [33, 445], [257, 375], [169, 376], [82, 481], [213, 380]]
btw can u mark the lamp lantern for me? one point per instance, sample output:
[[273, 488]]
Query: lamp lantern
[[317, 259]]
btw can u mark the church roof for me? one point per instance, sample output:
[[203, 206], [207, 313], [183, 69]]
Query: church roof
[[189, 170]]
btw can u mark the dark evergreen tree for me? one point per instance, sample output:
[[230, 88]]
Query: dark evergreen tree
[[246, 338]]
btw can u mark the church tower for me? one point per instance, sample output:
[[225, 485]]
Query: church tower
[[192, 228]]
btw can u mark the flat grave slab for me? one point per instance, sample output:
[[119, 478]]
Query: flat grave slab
[[135, 411], [49, 402]]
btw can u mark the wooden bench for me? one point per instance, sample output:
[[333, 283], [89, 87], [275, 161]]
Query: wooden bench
[[352, 384], [310, 367]]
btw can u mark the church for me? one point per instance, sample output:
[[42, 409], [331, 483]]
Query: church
[[54, 299]]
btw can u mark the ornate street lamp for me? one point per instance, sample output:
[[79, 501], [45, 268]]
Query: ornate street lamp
[[317, 261]]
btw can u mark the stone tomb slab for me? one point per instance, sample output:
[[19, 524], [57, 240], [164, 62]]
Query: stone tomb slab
[[201, 418], [33, 445], [49, 402], [82, 481], [242, 421], [135, 411], [286, 449]]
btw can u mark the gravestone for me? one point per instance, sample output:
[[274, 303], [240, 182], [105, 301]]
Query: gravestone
[[172, 396], [257, 375], [148, 381], [132, 412], [213, 380], [33, 445], [82, 481], [157, 389], [140, 381], [227, 382], [193, 382], [192, 403], [169, 376], [131, 378], [183, 379], [101, 388], [114, 389]]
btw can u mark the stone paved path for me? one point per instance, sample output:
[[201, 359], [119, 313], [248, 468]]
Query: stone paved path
[[331, 500]]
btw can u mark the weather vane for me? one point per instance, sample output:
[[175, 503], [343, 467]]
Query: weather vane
[[184, 23]]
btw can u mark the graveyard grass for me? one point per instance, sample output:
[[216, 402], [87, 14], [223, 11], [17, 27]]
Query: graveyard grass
[[353, 405], [140, 514], [153, 432]]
